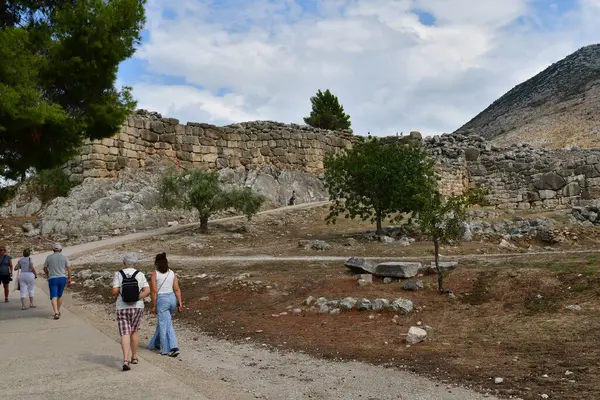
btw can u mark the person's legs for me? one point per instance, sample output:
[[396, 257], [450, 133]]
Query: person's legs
[[163, 312], [172, 337], [5, 292], [53, 288], [124, 324], [135, 340], [62, 282]]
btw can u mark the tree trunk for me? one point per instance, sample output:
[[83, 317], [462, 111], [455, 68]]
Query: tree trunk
[[436, 255], [204, 224], [379, 230]]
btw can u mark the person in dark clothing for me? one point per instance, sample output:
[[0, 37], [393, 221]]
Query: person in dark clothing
[[6, 271], [292, 199]]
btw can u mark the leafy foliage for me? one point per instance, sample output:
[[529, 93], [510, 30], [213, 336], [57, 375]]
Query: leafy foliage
[[327, 112], [375, 180], [51, 183], [200, 190], [442, 219], [58, 87]]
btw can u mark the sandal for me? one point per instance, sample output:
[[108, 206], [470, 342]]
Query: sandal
[[126, 366], [56, 316], [134, 361]]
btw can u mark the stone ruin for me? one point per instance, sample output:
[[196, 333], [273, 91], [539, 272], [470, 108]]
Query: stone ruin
[[518, 177]]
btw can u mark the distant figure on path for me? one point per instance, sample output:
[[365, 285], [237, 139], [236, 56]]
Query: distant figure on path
[[130, 286], [6, 271], [27, 278], [292, 199], [166, 298], [58, 270]]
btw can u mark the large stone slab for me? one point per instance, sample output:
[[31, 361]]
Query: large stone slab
[[360, 265], [397, 269]]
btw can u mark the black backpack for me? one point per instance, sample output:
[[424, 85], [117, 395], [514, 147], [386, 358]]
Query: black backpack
[[130, 289]]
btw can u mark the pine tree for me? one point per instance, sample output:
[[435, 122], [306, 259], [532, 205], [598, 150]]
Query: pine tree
[[58, 68], [327, 112]]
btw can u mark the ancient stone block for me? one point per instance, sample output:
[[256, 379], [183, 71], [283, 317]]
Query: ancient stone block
[[168, 138], [190, 140], [99, 148], [550, 181], [149, 135]]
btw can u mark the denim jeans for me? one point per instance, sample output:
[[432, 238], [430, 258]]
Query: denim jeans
[[164, 338]]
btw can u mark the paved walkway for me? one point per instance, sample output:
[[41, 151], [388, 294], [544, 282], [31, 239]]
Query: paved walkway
[[41, 358], [70, 359]]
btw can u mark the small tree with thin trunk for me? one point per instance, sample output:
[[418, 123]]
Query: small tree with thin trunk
[[201, 191], [377, 180], [442, 220]]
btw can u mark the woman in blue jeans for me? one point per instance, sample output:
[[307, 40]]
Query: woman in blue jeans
[[166, 298]]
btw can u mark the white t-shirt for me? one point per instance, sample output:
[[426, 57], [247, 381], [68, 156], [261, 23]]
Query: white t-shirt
[[142, 282], [165, 281]]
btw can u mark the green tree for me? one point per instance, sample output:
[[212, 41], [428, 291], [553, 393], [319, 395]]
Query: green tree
[[327, 112], [201, 191], [375, 180], [442, 219], [58, 70]]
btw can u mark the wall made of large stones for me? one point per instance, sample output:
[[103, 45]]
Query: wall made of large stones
[[146, 139], [519, 176]]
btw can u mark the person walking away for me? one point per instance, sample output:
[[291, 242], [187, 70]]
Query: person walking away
[[130, 287], [58, 270], [27, 278], [166, 298], [292, 199], [6, 270]]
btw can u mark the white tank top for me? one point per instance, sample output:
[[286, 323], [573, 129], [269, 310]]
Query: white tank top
[[164, 282]]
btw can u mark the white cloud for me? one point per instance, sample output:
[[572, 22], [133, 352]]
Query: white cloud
[[390, 72]]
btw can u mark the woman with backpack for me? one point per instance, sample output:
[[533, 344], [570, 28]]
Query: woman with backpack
[[166, 298], [27, 278], [130, 287]]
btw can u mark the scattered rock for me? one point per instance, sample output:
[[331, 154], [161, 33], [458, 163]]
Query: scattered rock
[[573, 308], [413, 285], [507, 245], [309, 301], [348, 303], [404, 306], [397, 269], [386, 239], [498, 381], [368, 278], [351, 242], [360, 265], [416, 335], [380, 304], [363, 304], [387, 280], [318, 245]]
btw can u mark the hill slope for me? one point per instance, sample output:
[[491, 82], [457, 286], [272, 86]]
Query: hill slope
[[557, 108]]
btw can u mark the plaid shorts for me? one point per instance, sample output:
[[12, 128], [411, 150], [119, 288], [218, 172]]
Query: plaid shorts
[[129, 320]]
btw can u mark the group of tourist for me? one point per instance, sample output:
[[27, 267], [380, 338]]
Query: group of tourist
[[130, 287]]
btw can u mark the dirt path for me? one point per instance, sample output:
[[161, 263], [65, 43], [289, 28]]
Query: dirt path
[[208, 368]]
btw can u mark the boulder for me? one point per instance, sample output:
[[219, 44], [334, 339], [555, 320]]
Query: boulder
[[380, 304], [397, 269], [363, 304], [360, 265], [404, 306], [416, 335], [318, 245], [348, 303]]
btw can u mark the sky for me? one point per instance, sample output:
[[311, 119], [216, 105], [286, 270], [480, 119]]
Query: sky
[[395, 65]]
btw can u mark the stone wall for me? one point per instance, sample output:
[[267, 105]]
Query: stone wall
[[519, 176], [146, 139]]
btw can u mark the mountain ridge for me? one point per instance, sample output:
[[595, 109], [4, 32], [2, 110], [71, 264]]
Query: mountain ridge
[[557, 108]]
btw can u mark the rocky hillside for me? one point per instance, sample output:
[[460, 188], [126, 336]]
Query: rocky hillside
[[557, 108]]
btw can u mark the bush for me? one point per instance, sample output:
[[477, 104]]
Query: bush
[[51, 183], [7, 193]]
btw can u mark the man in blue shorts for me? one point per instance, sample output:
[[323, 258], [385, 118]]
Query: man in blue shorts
[[58, 271]]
